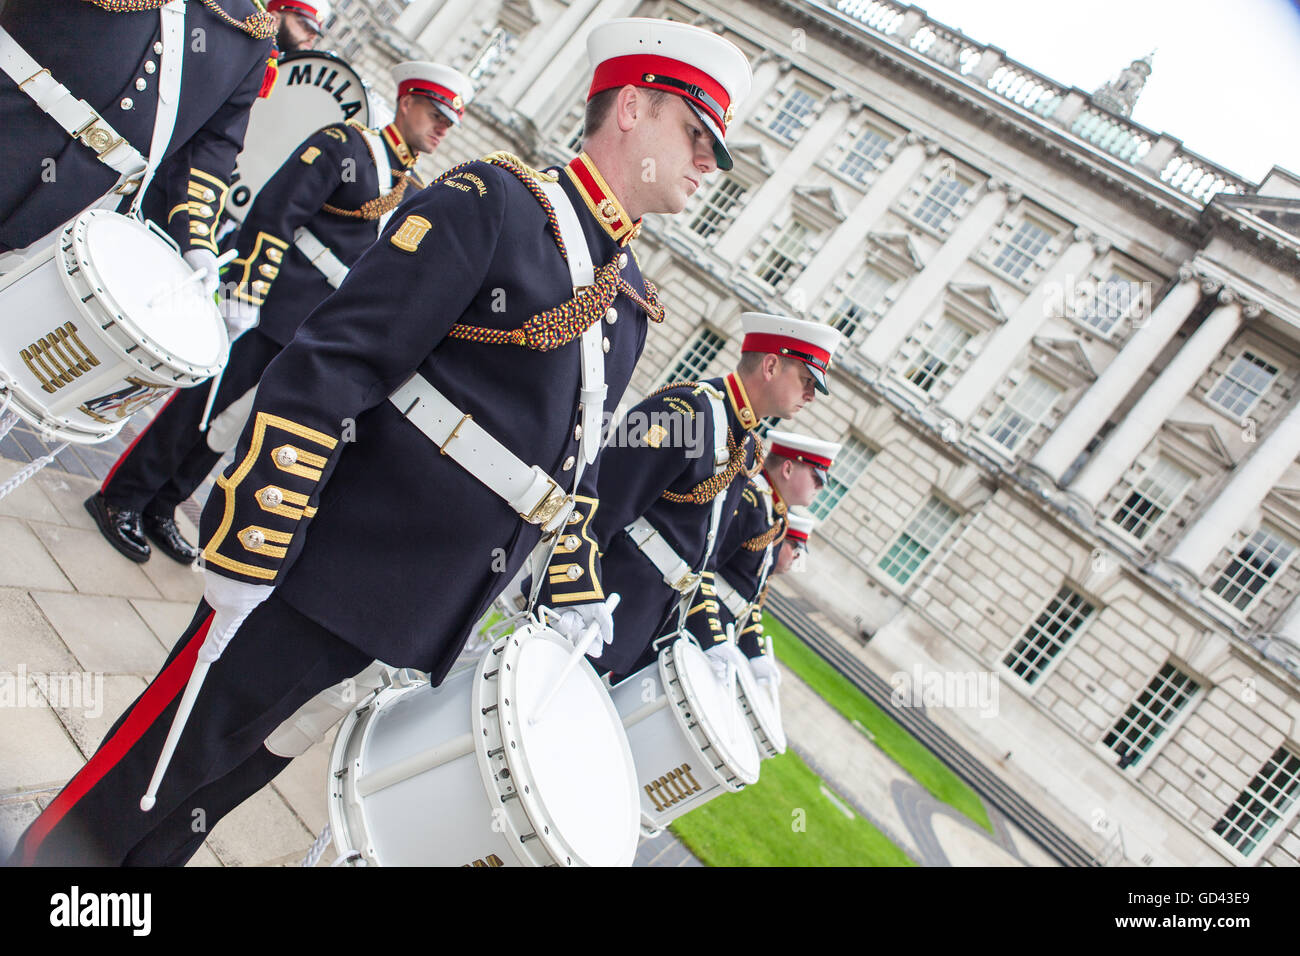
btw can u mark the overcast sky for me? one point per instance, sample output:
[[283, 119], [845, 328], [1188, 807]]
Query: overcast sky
[[1225, 78]]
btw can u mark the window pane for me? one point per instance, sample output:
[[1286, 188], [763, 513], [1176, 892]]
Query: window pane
[[1060, 621], [691, 367], [860, 160], [1153, 495], [719, 207], [923, 534], [1259, 807], [942, 348], [859, 300], [1023, 409], [1246, 380], [942, 199], [1150, 715], [1113, 300], [1255, 565], [847, 468], [790, 118], [1019, 254]]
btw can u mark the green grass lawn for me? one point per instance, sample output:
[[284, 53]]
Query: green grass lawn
[[838, 691], [784, 820]]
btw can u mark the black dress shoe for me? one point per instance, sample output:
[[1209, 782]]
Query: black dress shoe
[[121, 526], [164, 533]]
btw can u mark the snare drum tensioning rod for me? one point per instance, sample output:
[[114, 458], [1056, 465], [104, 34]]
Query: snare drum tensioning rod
[[579, 652]]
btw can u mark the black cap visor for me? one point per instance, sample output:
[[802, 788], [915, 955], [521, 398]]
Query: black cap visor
[[720, 154]]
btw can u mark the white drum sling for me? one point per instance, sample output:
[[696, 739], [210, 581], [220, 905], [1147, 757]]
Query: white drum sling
[[459, 775], [689, 740], [102, 324]]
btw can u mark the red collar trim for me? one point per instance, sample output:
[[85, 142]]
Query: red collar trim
[[600, 199]]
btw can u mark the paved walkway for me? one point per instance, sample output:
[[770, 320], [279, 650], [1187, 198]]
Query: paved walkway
[[82, 630]]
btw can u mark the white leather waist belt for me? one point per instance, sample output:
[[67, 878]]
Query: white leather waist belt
[[320, 256], [678, 575], [532, 493], [729, 596]]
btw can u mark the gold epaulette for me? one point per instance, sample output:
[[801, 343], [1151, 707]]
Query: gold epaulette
[[760, 542], [501, 156]]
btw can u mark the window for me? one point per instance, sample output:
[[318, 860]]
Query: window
[[1113, 300], [861, 159], [1257, 563], [940, 351], [782, 258], [690, 367], [1060, 621], [574, 142], [1262, 804], [939, 203], [859, 300], [1150, 715], [1153, 496], [1246, 380], [847, 468], [1023, 409], [791, 115], [720, 207], [1019, 253], [918, 540], [491, 55]]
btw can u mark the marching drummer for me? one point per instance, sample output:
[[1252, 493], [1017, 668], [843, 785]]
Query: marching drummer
[[298, 23], [791, 556], [427, 425], [665, 503], [309, 224], [116, 56], [794, 470]]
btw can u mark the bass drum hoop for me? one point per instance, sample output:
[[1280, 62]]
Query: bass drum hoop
[[687, 714]]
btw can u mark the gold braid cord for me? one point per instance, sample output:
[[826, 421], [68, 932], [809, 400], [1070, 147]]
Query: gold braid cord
[[760, 542], [259, 26], [711, 487], [373, 209]]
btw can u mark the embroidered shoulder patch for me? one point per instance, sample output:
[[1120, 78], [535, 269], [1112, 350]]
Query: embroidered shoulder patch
[[680, 405], [309, 155], [410, 233], [336, 133], [655, 436]]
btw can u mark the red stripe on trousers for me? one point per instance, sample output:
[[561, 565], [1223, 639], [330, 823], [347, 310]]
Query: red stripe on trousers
[[135, 441], [155, 700]]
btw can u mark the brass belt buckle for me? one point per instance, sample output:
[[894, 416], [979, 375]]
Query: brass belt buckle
[[549, 506], [96, 137], [686, 582]]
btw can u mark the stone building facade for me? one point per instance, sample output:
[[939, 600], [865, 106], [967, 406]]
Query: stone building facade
[[1068, 398]]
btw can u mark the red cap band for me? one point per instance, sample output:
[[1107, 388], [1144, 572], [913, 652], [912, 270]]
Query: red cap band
[[780, 344], [297, 6], [793, 534], [435, 91], [633, 69], [785, 451]]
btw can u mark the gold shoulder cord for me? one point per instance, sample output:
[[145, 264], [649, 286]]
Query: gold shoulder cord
[[760, 542], [259, 26]]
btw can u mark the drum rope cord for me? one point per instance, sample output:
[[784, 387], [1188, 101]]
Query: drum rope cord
[[318, 848], [30, 469]]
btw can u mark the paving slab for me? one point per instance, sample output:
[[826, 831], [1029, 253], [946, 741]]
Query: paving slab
[[35, 750], [27, 500], [91, 563], [68, 493], [260, 831], [15, 817], [302, 785], [166, 619], [964, 846], [24, 562], [204, 857], [175, 581], [26, 637], [103, 698], [105, 633]]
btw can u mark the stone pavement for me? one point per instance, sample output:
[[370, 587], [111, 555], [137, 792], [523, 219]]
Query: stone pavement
[[82, 630]]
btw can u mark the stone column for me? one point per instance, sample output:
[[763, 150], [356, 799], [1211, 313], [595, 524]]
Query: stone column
[[879, 347], [548, 39], [1100, 400], [761, 205], [1151, 410], [443, 26], [1000, 352], [845, 243]]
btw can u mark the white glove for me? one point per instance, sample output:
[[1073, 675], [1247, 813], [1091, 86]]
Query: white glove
[[764, 667], [574, 621], [722, 655], [204, 259], [240, 316], [232, 601]]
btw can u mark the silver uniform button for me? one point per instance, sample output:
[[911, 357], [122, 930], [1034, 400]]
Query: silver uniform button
[[272, 497], [157, 47], [611, 316], [140, 84], [605, 344], [622, 260], [150, 66], [574, 517], [577, 433], [126, 103], [568, 463], [574, 572], [286, 456], [572, 542], [254, 539]]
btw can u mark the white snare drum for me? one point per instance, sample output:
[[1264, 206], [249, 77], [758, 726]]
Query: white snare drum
[[761, 705], [689, 740], [456, 775], [104, 323]]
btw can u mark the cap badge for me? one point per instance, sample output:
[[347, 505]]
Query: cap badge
[[457, 103], [728, 115]]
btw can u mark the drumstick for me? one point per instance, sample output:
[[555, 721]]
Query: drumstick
[[174, 735], [196, 276], [731, 685], [212, 397], [579, 652]]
